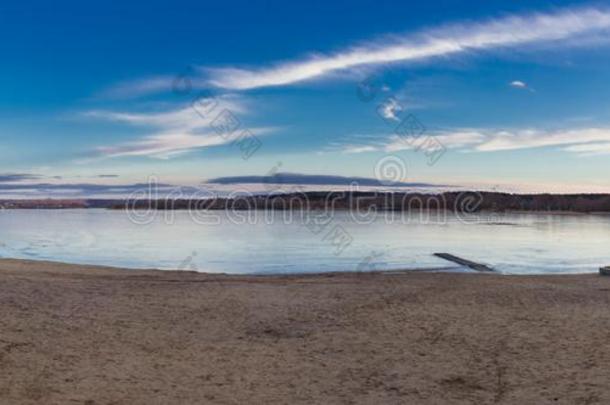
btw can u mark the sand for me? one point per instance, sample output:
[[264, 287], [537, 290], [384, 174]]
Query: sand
[[92, 335]]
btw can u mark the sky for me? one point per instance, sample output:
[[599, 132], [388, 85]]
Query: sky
[[99, 98]]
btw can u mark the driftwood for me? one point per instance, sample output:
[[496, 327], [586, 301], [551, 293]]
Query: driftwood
[[604, 271], [464, 262]]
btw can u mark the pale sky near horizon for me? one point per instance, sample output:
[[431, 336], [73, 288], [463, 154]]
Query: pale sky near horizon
[[499, 95]]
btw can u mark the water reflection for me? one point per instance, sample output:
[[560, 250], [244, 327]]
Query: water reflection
[[515, 243]]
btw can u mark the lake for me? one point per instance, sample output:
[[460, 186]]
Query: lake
[[276, 242]]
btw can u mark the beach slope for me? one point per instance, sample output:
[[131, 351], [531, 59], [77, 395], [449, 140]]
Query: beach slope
[[93, 335]]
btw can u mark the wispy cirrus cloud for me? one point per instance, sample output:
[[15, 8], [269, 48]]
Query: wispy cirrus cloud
[[180, 130], [451, 139], [138, 88], [179, 84], [526, 139], [449, 40], [188, 117], [590, 149], [567, 27], [582, 141]]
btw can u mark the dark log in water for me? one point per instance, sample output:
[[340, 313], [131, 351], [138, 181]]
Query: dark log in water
[[464, 262], [604, 271]]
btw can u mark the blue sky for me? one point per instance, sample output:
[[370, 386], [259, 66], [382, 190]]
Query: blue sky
[[507, 95]]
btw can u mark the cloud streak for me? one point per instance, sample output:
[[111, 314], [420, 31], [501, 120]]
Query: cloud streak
[[449, 40], [17, 177], [582, 141], [179, 131], [313, 180], [138, 88], [527, 139], [82, 190]]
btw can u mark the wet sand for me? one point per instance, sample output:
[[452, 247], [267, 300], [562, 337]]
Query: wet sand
[[92, 335]]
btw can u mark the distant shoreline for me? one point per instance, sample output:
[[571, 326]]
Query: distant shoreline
[[508, 212], [463, 202]]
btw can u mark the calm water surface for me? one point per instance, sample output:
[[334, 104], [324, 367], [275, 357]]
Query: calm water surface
[[522, 243]]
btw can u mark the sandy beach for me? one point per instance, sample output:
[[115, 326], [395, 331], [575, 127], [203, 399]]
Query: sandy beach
[[94, 335]]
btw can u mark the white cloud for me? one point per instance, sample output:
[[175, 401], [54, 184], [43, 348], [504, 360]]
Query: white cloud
[[179, 131], [526, 139], [583, 141], [395, 143], [359, 148], [518, 84], [389, 108], [590, 149], [567, 28], [457, 139], [164, 145], [506, 32], [189, 117]]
